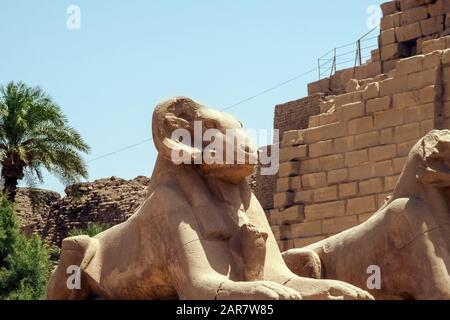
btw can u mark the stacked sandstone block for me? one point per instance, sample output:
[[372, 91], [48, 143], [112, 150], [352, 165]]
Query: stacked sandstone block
[[407, 23], [339, 171], [294, 115], [405, 26]]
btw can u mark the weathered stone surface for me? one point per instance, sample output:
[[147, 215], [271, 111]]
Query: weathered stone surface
[[195, 220], [397, 229], [107, 201]]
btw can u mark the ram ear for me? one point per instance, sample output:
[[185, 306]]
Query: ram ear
[[172, 120]]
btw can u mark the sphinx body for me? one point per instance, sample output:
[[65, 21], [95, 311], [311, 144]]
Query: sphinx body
[[200, 233], [408, 238]]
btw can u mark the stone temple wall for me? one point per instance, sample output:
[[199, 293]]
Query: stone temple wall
[[294, 115], [106, 201], [336, 173]]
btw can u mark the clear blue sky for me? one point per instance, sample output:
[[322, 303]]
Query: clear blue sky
[[129, 55]]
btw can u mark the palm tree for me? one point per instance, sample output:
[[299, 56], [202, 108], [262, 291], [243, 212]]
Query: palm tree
[[35, 135]]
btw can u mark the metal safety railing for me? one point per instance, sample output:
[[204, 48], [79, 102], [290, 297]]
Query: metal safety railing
[[343, 57]]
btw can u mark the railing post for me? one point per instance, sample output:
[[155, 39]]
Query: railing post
[[333, 67], [318, 63], [359, 52]]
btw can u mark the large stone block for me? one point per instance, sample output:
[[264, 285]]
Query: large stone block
[[419, 113], [292, 138], [433, 45], [360, 125], [368, 70], [399, 164], [350, 111], [283, 199], [303, 242], [407, 132], [378, 104], [393, 85], [305, 229], [432, 59], [391, 21], [275, 217], [372, 186], [276, 231], [390, 7], [431, 93], [432, 25], [320, 149], [387, 136], [330, 131], [337, 176], [344, 144], [288, 184], [324, 210], [356, 158], [293, 153], [361, 172], [304, 197], [332, 162], [325, 194], [386, 119], [414, 15], [406, 99], [289, 169], [440, 7], [446, 57], [347, 190], [293, 214], [314, 180], [321, 86], [409, 32], [404, 148], [368, 139], [310, 166], [408, 4], [336, 225], [361, 205], [394, 51], [347, 98], [326, 105], [327, 118], [390, 183], [383, 168], [425, 78], [381, 153], [427, 125], [389, 67], [371, 91], [409, 65]]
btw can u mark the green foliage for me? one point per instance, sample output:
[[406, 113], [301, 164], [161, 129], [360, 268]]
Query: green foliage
[[54, 253], [35, 135], [92, 230], [24, 263]]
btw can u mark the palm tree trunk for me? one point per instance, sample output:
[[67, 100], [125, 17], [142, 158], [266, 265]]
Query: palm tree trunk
[[11, 188], [12, 172]]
